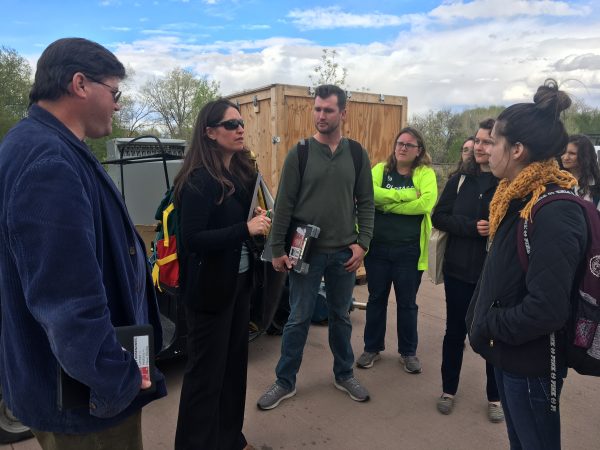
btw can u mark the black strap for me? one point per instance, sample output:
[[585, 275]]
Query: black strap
[[355, 148]]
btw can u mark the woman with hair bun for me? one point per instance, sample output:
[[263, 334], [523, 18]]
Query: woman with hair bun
[[581, 160], [516, 318]]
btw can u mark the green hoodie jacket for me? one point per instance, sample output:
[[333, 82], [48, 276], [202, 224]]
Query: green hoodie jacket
[[405, 201]]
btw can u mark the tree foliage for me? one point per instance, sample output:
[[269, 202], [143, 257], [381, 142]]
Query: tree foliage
[[15, 84], [176, 98], [328, 71], [445, 131]]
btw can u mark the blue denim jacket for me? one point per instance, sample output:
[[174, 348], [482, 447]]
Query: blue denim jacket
[[69, 273]]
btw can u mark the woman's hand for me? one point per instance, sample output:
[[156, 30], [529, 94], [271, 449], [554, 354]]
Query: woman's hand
[[259, 225], [483, 228]]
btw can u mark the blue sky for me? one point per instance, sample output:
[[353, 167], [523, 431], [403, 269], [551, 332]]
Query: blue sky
[[439, 54]]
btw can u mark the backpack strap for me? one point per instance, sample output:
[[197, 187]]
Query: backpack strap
[[524, 250], [524, 230], [357, 151], [302, 156]]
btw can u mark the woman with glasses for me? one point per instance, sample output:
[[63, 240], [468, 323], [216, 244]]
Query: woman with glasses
[[581, 160], [405, 190], [516, 319], [462, 212], [213, 195]]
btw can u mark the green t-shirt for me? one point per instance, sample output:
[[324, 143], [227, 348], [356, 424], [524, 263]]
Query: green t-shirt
[[394, 229]]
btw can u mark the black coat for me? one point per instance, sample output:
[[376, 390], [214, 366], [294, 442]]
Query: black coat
[[512, 313], [211, 241], [457, 214]]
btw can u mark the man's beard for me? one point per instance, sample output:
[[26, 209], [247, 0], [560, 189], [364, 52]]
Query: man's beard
[[329, 129]]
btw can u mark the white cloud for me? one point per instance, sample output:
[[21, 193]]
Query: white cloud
[[117, 28], [495, 9], [256, 27], [334, 17], [472, 63], [589, 61]]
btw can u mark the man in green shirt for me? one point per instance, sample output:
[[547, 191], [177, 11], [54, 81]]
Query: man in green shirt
[[329, 195]]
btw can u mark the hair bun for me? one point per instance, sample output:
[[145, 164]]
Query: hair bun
[[550, 100]]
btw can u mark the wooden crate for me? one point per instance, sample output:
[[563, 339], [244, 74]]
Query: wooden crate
[[277, 116]]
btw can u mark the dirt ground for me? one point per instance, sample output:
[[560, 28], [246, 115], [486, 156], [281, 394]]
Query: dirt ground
[[401, 413]]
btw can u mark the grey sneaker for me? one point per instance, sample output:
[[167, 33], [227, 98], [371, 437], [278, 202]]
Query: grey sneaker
[[411, 363], [367, 359], [445, 404], [354, 389], [495, 412], [274, 396]]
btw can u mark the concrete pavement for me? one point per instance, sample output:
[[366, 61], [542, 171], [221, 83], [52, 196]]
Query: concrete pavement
[[401, 413]]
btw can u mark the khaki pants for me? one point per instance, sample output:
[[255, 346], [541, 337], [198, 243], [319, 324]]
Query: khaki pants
[[126, 435]]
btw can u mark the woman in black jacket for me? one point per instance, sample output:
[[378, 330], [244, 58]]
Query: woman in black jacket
[[516, 317], [213, 195], [462, 212]]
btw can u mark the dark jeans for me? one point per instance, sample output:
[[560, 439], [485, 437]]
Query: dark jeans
[[213, 394], [127, 435], [458, 297], [526, 402], [386, 265], [339, 285]]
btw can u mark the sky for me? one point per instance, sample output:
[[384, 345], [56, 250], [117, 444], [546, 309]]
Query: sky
[[452, 54]]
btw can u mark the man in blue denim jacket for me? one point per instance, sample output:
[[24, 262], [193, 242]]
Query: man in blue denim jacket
[[72, 267]]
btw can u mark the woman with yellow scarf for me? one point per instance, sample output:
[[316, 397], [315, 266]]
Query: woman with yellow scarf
[[516, 316]]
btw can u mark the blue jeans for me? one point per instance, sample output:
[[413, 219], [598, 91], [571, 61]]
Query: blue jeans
[[398, 265], [339, 285], [526, 402]]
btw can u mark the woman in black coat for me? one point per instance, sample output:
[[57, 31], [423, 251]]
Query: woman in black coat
[[516, 317], [462, 212], [213, 195]]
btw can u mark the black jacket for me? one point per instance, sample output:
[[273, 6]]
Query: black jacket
[[211, 241], [458, 214], [512, 313]]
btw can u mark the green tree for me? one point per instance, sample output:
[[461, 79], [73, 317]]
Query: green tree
[[15, 84], [328, 71], [176, 97], [439, 129]]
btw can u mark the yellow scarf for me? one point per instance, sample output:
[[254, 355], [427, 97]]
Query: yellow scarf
[[532, 179]]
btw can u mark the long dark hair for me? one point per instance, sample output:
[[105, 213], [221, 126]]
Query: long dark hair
[[422, 159], [468, 166], [205, 152], [587, 160]]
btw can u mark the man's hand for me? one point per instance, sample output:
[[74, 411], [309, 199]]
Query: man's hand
[[358, 254], [282, 263], [145, 384], [483, 228]]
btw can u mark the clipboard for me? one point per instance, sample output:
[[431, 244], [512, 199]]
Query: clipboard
[[136, 339]]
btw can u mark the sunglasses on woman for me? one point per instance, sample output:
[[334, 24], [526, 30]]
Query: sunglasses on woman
[[231, 124]]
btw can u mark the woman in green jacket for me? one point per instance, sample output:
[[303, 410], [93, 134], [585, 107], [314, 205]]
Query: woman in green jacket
[[405, 190]]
